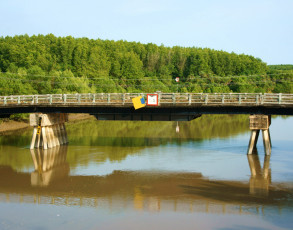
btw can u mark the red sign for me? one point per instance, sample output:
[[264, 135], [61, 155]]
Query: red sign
[[152, 99]]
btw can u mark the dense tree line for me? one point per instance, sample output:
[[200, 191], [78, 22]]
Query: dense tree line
[[49, 64], [280, 67]]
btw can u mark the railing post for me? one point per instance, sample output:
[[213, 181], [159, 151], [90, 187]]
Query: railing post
[[64, 98], [50, 99], [174, 98], [189, 99], [262, 99], [5, 100], [239, 99], [123, 98], [18, 100], [257, 98], [37, 99], [108, 98], [280, 98], [206, 98], [223, 99], [78, 98], [94, 98]]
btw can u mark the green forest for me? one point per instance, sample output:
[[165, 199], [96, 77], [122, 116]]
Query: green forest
[[45, 64]]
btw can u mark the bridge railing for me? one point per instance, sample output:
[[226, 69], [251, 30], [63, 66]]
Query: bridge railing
[[164, 98], [278, 98]]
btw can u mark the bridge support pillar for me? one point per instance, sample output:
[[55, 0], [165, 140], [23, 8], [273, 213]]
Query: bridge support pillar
[[49, 130], [257, 123]]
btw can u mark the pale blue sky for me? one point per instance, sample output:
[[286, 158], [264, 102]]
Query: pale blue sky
[[262, 28]]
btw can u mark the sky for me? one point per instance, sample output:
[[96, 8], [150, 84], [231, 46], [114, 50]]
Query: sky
[[261, 28]]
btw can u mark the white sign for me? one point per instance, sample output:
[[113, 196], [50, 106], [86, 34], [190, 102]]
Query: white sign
[[152, 99], [177, 79]]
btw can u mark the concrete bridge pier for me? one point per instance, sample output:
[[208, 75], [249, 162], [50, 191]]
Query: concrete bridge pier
[[257, 123], [49, 130]]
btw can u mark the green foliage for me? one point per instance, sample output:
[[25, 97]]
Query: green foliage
[[280, 67], [20, 117], [48, 64]]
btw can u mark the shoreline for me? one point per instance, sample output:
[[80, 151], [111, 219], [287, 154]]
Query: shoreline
[[10, 126]]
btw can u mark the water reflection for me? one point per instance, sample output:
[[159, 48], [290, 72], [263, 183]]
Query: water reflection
[[134, 133], [50, 183], [50, 165], [260, 179], [202, 169]]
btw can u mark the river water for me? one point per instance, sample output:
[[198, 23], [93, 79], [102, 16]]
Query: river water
[[149, 175]]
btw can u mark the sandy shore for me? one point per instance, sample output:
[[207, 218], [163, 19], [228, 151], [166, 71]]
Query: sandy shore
[[17, 125]]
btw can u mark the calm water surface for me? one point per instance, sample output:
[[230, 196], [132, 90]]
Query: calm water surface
[[147, 175]]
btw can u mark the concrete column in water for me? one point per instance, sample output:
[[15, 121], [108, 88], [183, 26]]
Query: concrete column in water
[[257, 123], [49, 130]]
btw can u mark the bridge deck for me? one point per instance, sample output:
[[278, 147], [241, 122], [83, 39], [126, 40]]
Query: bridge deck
[[231, 103], [124, 99]]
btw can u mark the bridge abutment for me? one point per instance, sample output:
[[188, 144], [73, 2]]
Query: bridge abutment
[[49, 130], [257, 123]]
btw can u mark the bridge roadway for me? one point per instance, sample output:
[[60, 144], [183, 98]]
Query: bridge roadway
[[173, 106]]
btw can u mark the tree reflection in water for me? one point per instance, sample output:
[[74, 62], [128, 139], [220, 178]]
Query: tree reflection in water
[[149, 190]]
